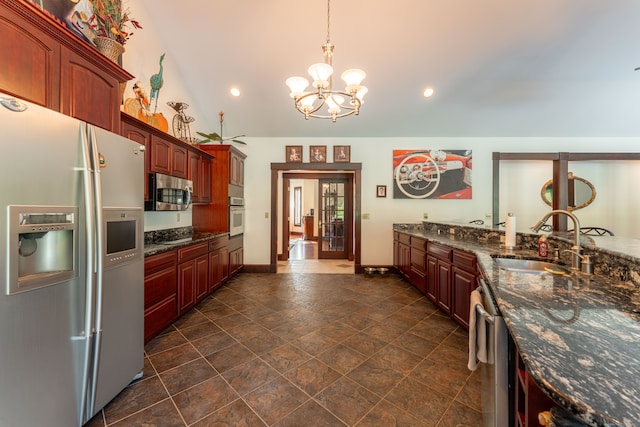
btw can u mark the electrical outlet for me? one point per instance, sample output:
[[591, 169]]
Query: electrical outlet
[[178, 218], [366, 216], [266, 214], [425, 215]]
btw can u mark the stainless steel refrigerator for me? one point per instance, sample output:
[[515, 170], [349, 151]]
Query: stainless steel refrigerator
[[72, 293]]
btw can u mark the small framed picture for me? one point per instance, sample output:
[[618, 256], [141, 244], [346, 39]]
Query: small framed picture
[[381, 191], [294, 153], [318, 154], [342, 154]]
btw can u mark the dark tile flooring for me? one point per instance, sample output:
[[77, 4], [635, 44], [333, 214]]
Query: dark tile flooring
[[305, 350]]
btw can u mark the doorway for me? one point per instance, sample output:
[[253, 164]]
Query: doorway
[[350, 174]]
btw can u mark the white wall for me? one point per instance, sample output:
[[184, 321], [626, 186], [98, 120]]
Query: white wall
[[618, 193]]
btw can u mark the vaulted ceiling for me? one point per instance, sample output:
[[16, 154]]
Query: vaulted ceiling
[[525, 68]]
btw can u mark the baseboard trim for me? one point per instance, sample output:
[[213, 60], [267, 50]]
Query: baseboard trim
[[260, 268]]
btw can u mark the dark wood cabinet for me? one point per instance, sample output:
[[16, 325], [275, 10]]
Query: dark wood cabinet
[[528, 400], [160, 293], [236, 168], [200, 174], [236, 255], [464, 278], [218, 262], [168, 157], [193, 275], [439, 275], [418, 264], [45, 63], [446, 276], [227, 179], [402, 255]]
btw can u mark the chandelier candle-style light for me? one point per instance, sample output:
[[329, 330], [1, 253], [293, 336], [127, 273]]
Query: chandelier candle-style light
[[310, 103]]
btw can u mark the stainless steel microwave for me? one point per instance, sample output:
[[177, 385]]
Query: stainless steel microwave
[[168, 193]]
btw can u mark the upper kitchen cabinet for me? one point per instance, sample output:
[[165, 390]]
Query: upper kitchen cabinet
[[45, 63], [167, 157], [227, 180]]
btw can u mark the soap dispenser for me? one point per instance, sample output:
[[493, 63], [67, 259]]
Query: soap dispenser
[[543, 246]]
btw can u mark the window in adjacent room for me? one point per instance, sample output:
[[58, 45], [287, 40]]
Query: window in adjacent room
[[297, 206]]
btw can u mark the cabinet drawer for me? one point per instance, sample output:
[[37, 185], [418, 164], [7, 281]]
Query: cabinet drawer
[[158, 262], [159, 317], [418, 243], [464, 261], [439, 251], [193, 251], [159, 285], [218, 243], [404, 238]]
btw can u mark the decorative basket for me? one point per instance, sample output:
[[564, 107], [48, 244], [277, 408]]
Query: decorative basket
[[109, 47]]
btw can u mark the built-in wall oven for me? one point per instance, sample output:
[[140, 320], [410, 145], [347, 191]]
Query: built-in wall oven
[[492, 343], [236, 216]]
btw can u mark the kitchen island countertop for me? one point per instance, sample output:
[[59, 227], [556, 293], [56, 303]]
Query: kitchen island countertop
[[579, 335]]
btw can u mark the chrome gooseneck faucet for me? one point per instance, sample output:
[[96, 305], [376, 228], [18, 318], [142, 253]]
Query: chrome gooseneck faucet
[[575, 250]]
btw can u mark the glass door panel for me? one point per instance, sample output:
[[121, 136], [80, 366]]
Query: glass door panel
[[333, 227]]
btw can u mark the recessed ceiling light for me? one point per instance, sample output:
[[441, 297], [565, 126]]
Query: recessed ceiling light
[[428, 92], [234, 91]]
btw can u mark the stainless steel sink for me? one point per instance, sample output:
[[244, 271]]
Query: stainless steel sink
[[530, 266]]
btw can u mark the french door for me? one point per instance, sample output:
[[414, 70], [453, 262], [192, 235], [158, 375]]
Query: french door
[[335, 218]]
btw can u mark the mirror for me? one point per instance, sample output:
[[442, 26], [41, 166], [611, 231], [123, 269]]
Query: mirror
[[581, 192]]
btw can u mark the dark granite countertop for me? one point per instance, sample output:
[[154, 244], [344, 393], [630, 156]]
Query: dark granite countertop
[[157, 243], [579, 335]]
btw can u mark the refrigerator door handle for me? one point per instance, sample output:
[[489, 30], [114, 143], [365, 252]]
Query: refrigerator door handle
[[88, 199], [98, 250]]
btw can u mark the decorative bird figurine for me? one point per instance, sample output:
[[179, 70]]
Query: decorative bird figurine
[[156, 84]]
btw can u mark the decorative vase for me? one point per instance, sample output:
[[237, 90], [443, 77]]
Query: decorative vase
[[109, 47]]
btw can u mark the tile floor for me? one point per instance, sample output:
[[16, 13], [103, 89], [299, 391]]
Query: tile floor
[[305, 350]]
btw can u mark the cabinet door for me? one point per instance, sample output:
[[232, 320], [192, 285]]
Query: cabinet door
[[202, 276], [235, 261], [187, 276], [432, 278], [463, 283], [143, 138], [160, 159], [204, 167], [444, 286], [87, 93], [179, 161], [417, 275], [30, 61], [236, 173], [193, 174]]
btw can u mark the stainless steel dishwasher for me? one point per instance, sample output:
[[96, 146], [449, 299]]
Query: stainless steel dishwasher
[[494, 372]]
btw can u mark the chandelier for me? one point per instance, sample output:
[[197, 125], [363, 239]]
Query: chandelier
[[338, 103]]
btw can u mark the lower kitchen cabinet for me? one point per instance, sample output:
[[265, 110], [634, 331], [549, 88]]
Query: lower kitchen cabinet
[[218, 262], [160, 293], [418, 263], [401, 251], [193, 275], [236, 254], [439, 275], [177, 280], [528, 400], [444, 275], [464, 279]]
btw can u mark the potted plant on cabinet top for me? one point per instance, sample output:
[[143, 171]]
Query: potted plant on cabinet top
[[110, 21]]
